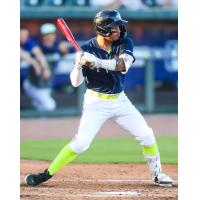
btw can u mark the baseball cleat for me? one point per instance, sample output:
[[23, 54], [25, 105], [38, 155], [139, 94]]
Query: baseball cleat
[[36, 179], [163, 180]]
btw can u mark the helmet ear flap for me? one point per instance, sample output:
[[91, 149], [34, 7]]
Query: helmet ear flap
[[122, 31]]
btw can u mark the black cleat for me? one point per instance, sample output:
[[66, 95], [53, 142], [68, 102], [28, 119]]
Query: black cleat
[[36, 179]]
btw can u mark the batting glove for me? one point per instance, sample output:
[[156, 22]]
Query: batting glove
[[78, 63], [89, 59]]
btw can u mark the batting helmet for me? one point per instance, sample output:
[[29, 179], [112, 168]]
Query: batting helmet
[[106, 19]]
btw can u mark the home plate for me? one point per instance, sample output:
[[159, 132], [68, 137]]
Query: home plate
[[118, 193]]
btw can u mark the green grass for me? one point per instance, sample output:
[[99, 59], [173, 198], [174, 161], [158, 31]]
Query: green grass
[[107, 150]]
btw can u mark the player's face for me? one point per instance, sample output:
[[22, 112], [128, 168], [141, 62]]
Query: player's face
[[49, 38], [115, 34], [24, 34]]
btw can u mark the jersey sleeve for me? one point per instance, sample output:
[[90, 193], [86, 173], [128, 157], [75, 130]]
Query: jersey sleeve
[[127, 47], [31, 44], [85, 48]]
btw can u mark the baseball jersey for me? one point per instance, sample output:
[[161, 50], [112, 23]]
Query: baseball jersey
[[102, 80], [37, 81], [27, 47], [53, 53]]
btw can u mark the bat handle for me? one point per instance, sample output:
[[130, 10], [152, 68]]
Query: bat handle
[[77, 48]]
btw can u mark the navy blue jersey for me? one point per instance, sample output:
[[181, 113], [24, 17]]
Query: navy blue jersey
[[102, 80], [28, 45], [52, 53], [49, 50], [36, 80]]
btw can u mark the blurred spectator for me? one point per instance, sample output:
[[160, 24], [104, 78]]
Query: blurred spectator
[[109, 4], [50, 46], [134, 5], [36, 86], [55, 51], [25, 56], [161, 3], [115, 4], [167, 3]]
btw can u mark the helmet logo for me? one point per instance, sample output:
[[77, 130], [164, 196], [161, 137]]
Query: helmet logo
[[118, 16]]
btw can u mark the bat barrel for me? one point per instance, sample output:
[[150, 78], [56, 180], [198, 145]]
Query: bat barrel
[[66, 31]]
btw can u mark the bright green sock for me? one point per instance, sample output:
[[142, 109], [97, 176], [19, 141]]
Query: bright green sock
[[151, 150], [65, 156], [152, 156]]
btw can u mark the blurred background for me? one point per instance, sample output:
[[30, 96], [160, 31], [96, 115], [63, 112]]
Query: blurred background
[[151, 83]]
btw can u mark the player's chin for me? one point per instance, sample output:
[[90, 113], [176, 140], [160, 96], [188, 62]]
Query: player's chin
[[115, 37]]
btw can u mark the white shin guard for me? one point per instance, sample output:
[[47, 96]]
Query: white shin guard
[[154, 164]]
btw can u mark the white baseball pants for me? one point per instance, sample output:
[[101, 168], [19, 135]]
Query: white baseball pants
[[40, 97], [96, 111]]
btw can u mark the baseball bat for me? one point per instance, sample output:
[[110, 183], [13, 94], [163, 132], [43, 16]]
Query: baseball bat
[[67, 32]]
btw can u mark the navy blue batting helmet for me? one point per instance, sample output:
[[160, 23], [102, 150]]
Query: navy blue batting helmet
[[106, 19]]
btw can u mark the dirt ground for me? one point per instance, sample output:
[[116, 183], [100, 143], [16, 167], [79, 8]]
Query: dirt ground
[[92, 181], [48, 128]]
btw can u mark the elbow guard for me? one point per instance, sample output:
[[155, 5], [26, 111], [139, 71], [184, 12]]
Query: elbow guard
[[128, 60]]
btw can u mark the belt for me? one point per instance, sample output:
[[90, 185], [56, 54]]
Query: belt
[[104, 96]]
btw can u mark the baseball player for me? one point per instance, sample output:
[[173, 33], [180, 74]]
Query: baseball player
[[36, 85], [52, 48], [104, 61]]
